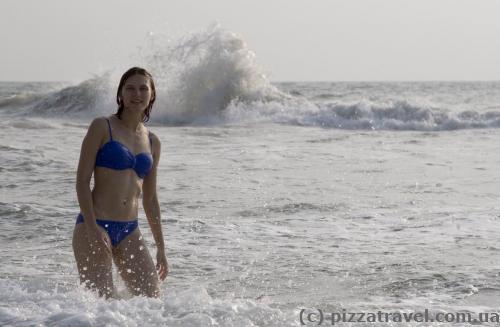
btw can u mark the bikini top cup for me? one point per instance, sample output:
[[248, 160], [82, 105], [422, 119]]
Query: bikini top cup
[[117, 156]]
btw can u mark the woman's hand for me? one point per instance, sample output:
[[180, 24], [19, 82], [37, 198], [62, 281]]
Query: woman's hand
[[99, 239], [161, 264]]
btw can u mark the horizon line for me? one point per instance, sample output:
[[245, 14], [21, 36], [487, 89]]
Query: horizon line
[[305, 81]]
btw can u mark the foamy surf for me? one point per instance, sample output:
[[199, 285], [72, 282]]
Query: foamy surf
[[79, 307]]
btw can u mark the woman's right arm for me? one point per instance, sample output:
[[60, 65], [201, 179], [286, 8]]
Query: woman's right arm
[[86, 165]]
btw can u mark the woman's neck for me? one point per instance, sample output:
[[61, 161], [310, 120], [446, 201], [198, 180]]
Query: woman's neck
[[131, 121]]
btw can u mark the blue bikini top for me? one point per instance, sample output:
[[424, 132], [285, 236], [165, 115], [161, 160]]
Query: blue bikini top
[[115, 155]]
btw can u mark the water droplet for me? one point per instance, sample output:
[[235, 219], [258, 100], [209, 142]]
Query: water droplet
[[129, 271], [131, 256], [84, 268], [141, 248]]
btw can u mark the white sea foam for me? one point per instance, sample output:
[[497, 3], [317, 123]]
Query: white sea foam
[[79, 307], [202, 73], [363, 115]]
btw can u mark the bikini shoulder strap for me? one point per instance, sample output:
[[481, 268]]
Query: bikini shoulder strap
[[150, 141], [109, 126]]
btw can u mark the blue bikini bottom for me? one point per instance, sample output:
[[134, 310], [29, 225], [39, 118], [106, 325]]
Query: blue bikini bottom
[[117, 230]]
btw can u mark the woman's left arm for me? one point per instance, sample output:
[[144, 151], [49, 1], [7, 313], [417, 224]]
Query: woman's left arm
[[152, 209]]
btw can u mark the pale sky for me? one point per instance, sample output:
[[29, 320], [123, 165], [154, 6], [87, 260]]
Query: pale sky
[[294, 40]]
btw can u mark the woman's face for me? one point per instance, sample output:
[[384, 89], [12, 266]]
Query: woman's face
[[136, 93]]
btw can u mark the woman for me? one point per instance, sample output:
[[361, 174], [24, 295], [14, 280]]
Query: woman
[[123, 156]]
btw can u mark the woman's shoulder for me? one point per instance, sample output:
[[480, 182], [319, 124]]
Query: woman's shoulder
[[153, 136], [155, 141], [99, 125]]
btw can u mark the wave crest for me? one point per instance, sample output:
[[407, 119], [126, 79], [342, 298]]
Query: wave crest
[[205, 72], [363, 115]]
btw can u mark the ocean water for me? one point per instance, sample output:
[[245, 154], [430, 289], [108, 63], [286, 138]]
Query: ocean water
[[275, 197]]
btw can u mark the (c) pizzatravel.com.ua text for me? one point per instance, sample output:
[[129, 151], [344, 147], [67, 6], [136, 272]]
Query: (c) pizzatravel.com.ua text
[[311, 317]]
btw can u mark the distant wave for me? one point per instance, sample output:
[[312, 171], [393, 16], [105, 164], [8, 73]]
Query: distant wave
[[19, 100], [84, 99], [363, 115], [31, 124], [211, 78], [89, 98], [197, 77]]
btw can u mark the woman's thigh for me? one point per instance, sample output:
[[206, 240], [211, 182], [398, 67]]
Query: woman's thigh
[[94, 264], [136, 266]]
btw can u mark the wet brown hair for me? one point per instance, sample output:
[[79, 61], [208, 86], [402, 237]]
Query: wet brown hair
[[131, 72]]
